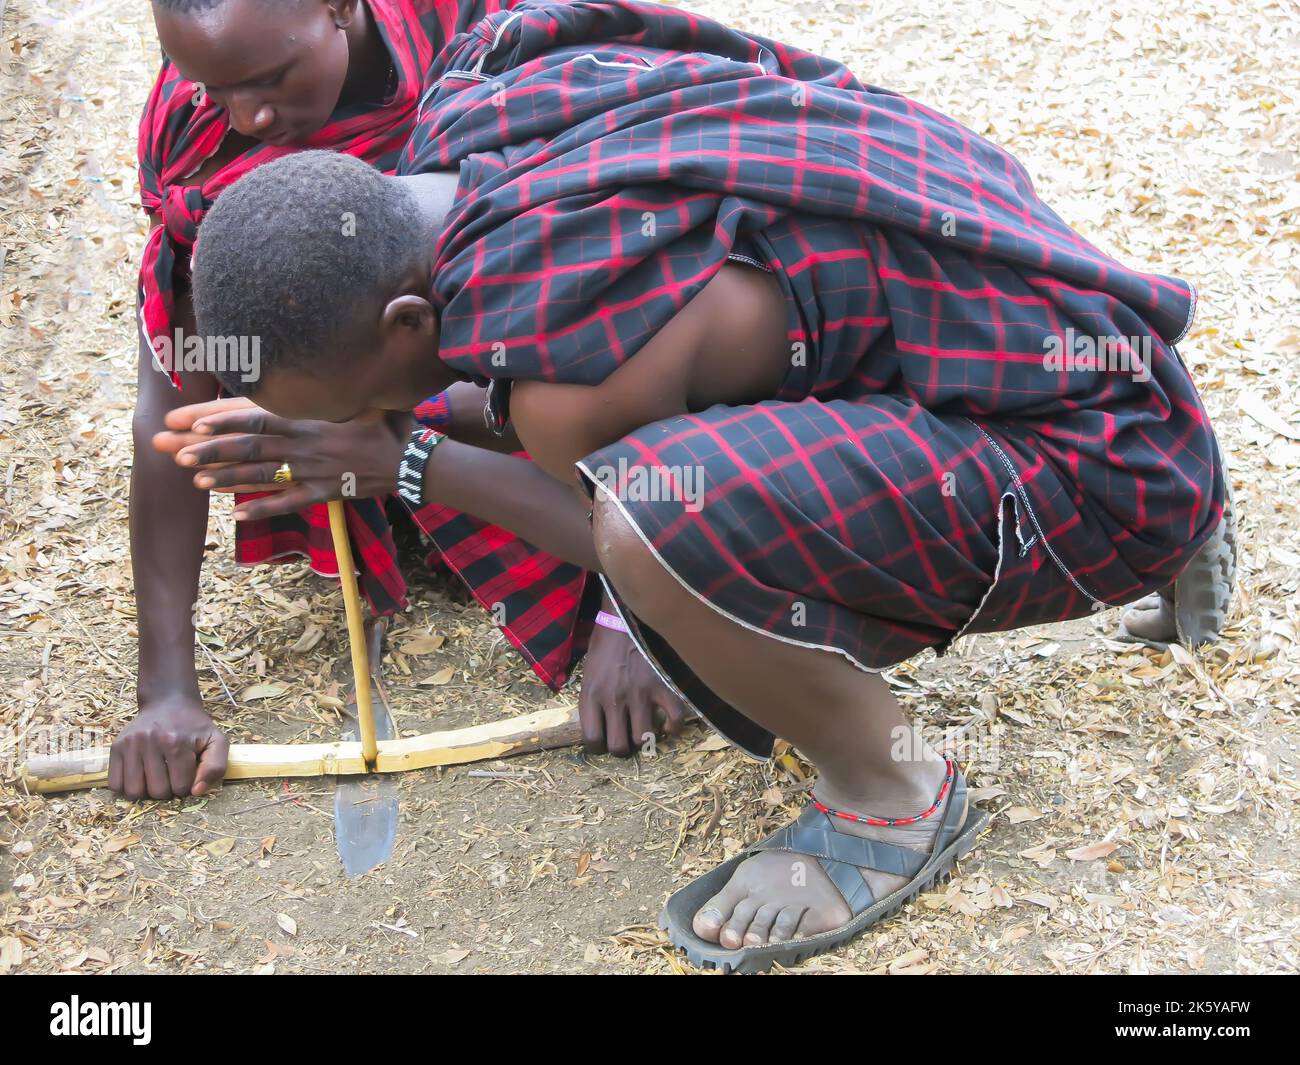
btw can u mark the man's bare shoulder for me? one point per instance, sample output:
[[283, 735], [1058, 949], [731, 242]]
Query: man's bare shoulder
[[728, 345]]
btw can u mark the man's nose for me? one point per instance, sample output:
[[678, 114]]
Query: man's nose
[[252, 118]]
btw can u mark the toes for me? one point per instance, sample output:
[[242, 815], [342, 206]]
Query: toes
[[760, 927], [757, 908], [786, 924], [733, 932], [715, 913]]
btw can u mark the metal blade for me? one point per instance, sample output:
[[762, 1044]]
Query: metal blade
[[366, 807]]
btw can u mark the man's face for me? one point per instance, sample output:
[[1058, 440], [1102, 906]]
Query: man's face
[[277, 66], [401, 371]]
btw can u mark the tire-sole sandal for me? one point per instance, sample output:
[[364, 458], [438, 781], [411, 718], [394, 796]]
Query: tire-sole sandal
[[1201, 597], [842, 857]]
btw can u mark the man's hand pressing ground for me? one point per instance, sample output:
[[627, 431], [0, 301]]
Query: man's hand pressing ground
[[622, 697], [171, 749]]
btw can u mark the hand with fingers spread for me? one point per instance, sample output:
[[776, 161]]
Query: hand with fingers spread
[[622, 702], [234, 446]]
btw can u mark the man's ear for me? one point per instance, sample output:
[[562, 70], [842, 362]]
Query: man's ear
[[407, 313]]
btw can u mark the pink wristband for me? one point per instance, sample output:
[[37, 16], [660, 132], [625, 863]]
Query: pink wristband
[[607, 620]]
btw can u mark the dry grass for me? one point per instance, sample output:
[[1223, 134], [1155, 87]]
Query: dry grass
[[1146, 803]]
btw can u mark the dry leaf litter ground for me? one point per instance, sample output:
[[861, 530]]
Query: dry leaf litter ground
[[1145, 802]]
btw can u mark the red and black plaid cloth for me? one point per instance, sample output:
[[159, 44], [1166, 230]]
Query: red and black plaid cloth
[[538, 594], [927, 468]]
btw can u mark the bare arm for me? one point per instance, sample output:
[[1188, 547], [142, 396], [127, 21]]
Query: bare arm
[[728, 345], [171, 747], [515, 494], [169, 519]]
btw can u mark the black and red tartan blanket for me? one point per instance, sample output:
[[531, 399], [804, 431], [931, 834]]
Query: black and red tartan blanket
[[986, 424], [180, 129]]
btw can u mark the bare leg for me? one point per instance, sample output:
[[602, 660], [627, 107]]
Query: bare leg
[[845, 721]]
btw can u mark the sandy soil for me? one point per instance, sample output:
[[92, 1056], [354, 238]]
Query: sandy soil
[[1145, 803]]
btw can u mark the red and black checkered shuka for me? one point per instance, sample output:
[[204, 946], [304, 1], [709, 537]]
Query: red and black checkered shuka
[[945, 455], [538, 595]]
